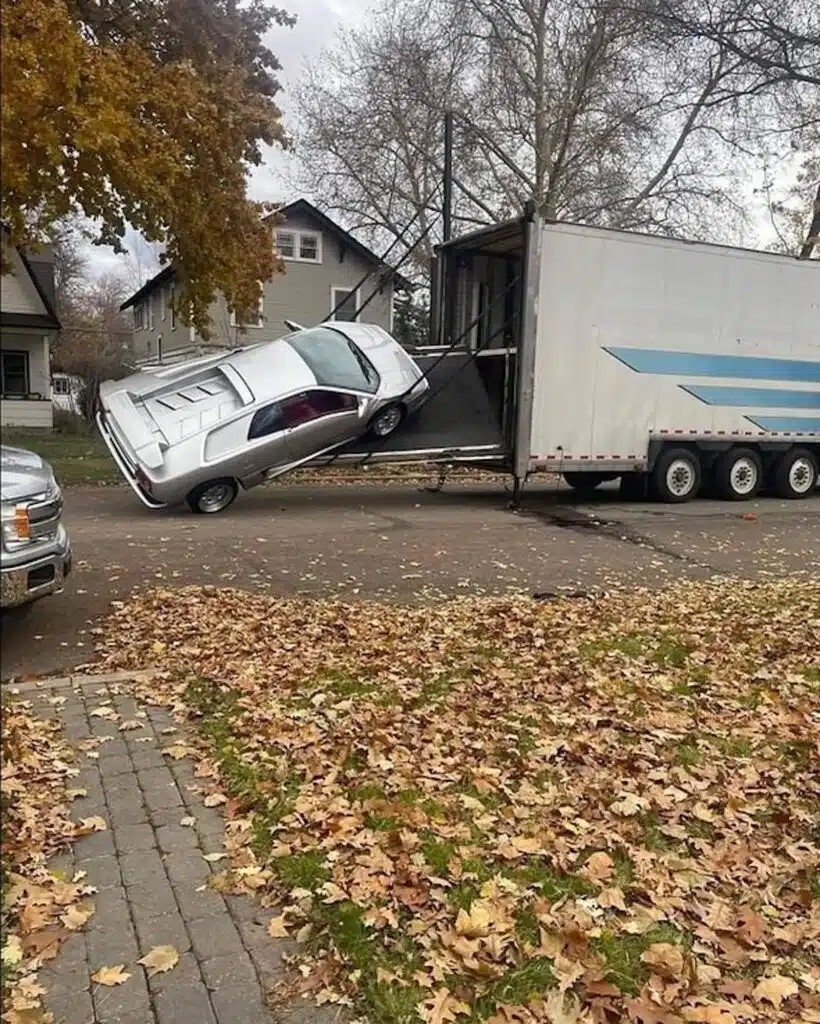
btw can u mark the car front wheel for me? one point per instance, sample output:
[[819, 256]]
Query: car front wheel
[[387, 420], [213, 496]]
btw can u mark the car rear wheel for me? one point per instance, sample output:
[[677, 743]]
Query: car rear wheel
[[213, 496], [387, 420]]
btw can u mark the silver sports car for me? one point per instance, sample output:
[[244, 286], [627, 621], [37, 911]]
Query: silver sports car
[[199, 430]]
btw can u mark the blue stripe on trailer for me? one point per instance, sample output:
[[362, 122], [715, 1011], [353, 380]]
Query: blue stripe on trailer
[[758, 398], [788, 424], [700, 364]]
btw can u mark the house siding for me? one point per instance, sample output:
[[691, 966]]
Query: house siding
[[29, 412], [18, 292], [301, 293]]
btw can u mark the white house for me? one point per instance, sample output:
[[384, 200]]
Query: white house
[[28, 325]]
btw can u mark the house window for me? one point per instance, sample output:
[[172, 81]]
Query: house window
[[15, 374], [300, 246], [173, 307], [139, 316], [260, 312], [150, 304], [344, 304], [164, 300], [309, 248], [286, 243]]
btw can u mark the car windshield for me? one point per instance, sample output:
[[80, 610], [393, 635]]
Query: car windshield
[[335, 361]]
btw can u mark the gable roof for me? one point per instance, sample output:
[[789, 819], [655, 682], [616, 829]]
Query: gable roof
[[302, 206], [38, 273]]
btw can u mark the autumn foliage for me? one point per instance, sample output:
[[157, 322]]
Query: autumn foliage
[[580, 811], [148, 114]]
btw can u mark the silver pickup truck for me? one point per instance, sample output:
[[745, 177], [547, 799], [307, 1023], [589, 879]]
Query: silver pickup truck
[[35, 556]]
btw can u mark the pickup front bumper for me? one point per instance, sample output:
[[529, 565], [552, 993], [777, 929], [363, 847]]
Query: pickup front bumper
[[38, 577]]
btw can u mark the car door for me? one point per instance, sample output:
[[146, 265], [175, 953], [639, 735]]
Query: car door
[[318, 419], [266, 441]]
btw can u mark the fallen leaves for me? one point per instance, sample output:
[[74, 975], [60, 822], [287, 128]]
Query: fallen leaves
[[160, 960], [111, 976], [775, 989], [41, 909], [610, 798]]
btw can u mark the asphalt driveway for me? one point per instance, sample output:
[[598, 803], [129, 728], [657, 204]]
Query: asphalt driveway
[[396, 543]]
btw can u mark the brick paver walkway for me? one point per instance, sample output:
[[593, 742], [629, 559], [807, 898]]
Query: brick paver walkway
[[151, 875]]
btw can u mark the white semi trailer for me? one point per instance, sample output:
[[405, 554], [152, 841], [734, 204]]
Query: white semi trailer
[[665, 363]]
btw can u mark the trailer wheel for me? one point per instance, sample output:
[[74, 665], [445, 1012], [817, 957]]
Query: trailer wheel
[[795, 474], [387, 420], [738, 474], [213, 496], [677, 475], [586, 483]]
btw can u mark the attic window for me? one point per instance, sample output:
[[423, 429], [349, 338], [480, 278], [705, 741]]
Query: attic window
[[300, 246]]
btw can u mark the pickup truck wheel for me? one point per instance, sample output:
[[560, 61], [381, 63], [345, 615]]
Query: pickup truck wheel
[[586, 483], [387, 420], [213, 496], [738, 474], [677, 475], [795, 474]]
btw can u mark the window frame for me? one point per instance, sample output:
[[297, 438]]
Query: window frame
[[298, 235], [333, 302], [139, 316], [349, 399], [164, 301], [150, 304], [173, 295], [26, 372]]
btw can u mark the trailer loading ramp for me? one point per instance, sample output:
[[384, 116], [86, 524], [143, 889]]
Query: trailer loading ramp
[[458, 423]]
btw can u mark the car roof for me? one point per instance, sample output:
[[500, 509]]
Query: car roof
[[272, 369]]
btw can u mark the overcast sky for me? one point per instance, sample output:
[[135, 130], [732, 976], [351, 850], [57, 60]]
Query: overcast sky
[[316, 24]]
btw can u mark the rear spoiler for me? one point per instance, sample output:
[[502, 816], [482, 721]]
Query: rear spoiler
[[133, 428]]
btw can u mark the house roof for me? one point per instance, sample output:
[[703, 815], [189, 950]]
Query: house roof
[[299, 206], [49, 320]]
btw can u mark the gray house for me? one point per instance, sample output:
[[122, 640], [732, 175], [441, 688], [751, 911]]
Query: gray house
[[326, 270], [28, 326]]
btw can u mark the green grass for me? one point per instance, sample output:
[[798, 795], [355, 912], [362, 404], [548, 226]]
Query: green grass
[[517, 987], [622, 954], [76, 459]]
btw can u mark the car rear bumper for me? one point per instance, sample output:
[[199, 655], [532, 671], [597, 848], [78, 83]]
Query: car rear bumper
[[34, 579], [122, 465]]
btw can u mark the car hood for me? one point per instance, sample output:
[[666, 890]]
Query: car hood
[[395, 367], [22, 474]]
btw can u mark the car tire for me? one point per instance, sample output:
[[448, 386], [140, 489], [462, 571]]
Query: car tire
[[676, 477], [795, 474], [213, 496], [387, 420], [738, 474]]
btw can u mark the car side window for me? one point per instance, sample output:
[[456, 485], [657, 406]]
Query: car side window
[[266, 421], [312, 405]]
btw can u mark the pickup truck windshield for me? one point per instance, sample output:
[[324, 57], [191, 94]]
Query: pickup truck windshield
[[335, 361]]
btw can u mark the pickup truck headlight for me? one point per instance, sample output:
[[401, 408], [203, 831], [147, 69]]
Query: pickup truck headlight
[[16, 526]]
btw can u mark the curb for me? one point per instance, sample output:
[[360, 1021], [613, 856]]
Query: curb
[[81, 680]]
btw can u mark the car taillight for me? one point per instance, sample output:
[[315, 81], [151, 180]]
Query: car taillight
[[143, 481]]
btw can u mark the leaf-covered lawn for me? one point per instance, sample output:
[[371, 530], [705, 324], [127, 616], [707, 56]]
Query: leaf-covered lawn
[[506, 810]]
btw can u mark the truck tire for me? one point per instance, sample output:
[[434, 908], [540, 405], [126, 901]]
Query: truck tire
[[738, 474], [677, 476], [213, 496], [586, 483], [795, 474]]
